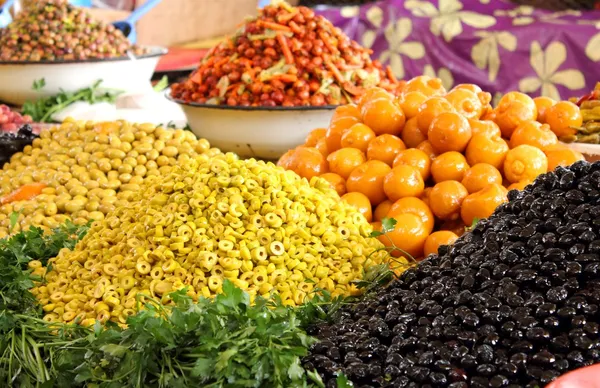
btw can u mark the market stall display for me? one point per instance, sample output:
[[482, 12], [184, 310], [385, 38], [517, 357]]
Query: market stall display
[[514, 303], [53, 40], [435, 159], [413, 233]]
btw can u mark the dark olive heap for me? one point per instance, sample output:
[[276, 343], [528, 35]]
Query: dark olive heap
[[11, 143], [52, 30], [514, 303]]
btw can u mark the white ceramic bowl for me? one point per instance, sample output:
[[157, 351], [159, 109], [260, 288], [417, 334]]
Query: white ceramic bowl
[[257, 132], [127, 73]]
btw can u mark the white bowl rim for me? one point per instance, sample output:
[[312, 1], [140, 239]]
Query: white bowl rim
[[155, 51], [249, 108]]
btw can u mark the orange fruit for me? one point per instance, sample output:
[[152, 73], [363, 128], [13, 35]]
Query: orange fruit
[[336, 129], [383, 116], [449, 131], [372, 94], [411, 102], [437, 239], [314, 136], [382, 210], [360, 202], [542, 103], [403, 181], [465, 102], [321, 146], [482, 203], [368, 179], [514, 108], [485, 127], [308, 162], [357, 136], [449, 166], [411, 134], [415, 158], [348, 110], [562, 116], [337, 182], [533, 133], [524, 162], [446, 198], [518, 186], [426, 147], [414, 206], [344, 160], [385, 148], [471, 87], [430, 109], [426, 85], [376, 225], [480, 175], [455, 226], [409, 235], [485, 98], [286, 159], [487, 149], [425, 196], [564, 157]]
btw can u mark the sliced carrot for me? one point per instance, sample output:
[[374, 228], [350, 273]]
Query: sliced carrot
[[196, 78], [330, 46], [285, 49], [287, 17], [353, 89], [24, 193], [335, 71], [390, 74], [274, 26], [287, 78], [295, 28]]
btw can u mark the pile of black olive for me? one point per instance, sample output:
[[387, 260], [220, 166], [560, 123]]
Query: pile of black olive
[[514, 303], [11, 142]]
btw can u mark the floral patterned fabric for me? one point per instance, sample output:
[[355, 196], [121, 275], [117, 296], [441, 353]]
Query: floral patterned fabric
[[494, 44]]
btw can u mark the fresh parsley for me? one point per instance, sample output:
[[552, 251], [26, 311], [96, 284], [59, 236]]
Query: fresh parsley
[[42, 109]]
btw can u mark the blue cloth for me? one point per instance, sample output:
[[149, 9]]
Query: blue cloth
[[263, 3]]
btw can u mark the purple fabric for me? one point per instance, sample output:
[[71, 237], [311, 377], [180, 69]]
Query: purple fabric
[[494, 44]]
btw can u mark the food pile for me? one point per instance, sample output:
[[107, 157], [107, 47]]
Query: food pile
[[11, 121], [51, 30], [81, 171], [514, 303], [286, 56], [434, 160], [589, 130], [210, 219]]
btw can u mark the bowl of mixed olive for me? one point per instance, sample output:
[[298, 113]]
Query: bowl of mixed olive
[[63, 45]]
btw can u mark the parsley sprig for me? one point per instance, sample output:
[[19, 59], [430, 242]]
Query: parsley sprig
[[42, 109]]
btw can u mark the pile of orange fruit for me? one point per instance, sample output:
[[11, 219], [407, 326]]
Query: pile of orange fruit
[[435, 160]]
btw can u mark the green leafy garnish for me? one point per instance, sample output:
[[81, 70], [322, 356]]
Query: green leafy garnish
[[39, 84], [161, 85], [387, 225], [42, 109]]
